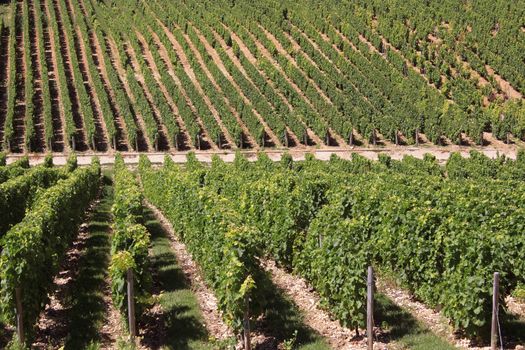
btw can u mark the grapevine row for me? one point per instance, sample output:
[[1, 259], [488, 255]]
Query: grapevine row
[[48, 229], [130, 241]]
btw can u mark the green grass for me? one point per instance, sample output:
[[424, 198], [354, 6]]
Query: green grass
[[87, 311], [181, 317], [405, 330]]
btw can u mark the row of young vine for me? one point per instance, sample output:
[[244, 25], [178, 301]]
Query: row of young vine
[[99, 91], [11, 79], [44, 72], [78, 89]]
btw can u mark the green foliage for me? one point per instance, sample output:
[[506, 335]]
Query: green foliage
[[13, 170], [213, 230], [130, 241], [33, 249], [72, 162], [18, 194], [440, 233], [48, 160]]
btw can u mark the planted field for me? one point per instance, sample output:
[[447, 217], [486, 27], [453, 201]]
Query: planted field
[[269, 253], [262, 175], [159, 76]]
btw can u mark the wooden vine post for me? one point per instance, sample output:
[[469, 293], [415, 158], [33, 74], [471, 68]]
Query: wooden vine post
[[246, 324], [495, 309], [370, 309], [19, 315], [131, 305]]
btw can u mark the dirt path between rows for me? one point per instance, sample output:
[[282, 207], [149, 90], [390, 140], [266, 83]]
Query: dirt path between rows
[[102, 136], [17, 143], [98, 57], [326, 98], [80, 310], [341, 54], [283, 52], [4, 79], [55, 84], [506, 87], [81, 142], [278, 45], [39, 144], [435, 321]]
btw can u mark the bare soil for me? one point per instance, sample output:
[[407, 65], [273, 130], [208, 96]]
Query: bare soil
[[333, 136], [98, 59], [52, 326], [435, 321], [238, 65], [507, 88], [250, 139], [269, 57], [18, 142], [218, 61], [291, 59], [307, 300]]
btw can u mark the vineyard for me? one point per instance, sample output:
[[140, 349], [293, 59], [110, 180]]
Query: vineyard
[[268, 175], [249, 230], [103, 76]]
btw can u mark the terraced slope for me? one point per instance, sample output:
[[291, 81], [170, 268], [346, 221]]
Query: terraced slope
[[159, 76]]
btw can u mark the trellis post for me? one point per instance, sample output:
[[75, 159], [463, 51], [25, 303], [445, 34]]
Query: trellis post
[[370, 308], [495, 309]]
